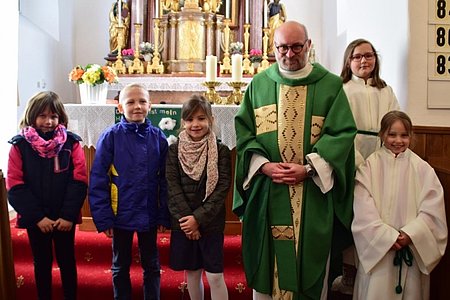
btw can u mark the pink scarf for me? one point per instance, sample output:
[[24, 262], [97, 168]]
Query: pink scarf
[[46, 149], [193, 157]]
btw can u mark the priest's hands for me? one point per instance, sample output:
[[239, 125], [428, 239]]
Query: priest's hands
[[403, 240], [284, 173]]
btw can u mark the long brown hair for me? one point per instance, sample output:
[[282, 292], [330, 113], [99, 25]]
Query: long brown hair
[[39, 103], [194, 103], [346, 73]]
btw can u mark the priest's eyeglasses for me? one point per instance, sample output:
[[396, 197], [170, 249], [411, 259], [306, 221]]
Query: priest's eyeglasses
[[367, 56], [296, 48]]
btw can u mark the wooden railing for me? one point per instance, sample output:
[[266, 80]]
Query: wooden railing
[[7, 275], [433, 145]]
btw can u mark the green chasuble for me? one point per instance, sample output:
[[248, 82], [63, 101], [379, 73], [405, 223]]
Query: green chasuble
[[314, 112]]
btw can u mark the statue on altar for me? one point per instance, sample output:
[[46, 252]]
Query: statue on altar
[[210, 6], [171, 6], [277, 16], [114, 21]]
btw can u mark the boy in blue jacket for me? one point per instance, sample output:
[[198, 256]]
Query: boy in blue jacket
[[128, 191]]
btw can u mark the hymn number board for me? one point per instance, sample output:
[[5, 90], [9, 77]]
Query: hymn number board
[[439, 54]]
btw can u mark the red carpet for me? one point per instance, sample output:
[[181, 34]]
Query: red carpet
[[93, 254]]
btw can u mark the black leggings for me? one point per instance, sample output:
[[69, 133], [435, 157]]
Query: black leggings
[[42, 249]]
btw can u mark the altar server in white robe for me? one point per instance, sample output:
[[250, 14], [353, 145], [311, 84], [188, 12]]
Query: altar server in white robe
[[399, 212]]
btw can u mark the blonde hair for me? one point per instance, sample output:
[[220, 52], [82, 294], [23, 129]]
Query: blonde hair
[[132, 86], [39, 103]]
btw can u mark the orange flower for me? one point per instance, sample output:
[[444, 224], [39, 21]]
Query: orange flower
[[76, 74], [109, 74]]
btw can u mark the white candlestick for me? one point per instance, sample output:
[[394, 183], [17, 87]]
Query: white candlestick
[[157, 8], [247, 12], [236, 68], [119, 12], [265, 14], [227, 9], [211, 68], [138, 11]]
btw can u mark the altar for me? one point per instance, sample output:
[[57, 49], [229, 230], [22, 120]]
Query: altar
[[89, 121], [173, 89]]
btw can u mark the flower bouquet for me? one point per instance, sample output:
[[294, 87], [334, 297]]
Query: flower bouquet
[[146, 49], [128, 53], [93, 82], [93, 74], [255, 55], [128, 56], [236, 48]]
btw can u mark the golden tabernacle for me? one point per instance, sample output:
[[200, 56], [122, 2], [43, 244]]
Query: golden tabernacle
[[189, 35]]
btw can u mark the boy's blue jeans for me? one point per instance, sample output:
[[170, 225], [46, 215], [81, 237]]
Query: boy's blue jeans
[[122, 256]]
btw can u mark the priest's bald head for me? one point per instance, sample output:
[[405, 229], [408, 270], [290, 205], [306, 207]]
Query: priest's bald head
[[292, 46]]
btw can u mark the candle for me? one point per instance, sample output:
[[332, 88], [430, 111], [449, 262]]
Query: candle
[[138, 11], [265, 14], [211, 68], [157, 8], [227, 9], [236, 68], [119, 12], [247, 11]]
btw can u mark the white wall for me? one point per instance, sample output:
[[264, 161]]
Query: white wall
[[45, 54], [91, 36], [333, 24], [417, 78], [8, 122]]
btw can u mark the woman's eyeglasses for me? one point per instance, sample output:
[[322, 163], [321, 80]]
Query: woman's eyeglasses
[[367, 56]]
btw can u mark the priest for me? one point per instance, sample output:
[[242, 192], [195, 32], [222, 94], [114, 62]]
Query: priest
[[294, 172]]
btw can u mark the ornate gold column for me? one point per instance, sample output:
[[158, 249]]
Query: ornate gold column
[[173, 21], [265, 63], [156, 65], [225, 67], [247, 67], [137, 65]]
